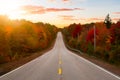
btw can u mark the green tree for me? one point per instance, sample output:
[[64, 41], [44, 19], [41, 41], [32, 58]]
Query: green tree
[[108, 21]]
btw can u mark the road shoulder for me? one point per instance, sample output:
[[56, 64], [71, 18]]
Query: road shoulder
[[110, 67], [7, 67]]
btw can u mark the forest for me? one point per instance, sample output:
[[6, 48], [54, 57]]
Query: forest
[[21, 38], [107, 38]]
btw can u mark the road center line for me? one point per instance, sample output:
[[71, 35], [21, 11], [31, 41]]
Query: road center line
[[60, 71], [60, 62]]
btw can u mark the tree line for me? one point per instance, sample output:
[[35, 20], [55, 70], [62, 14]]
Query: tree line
[[81, 37], [21, 38]]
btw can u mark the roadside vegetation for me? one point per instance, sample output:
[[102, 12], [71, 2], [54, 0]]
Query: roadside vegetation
[[21, 38], [81, 37]]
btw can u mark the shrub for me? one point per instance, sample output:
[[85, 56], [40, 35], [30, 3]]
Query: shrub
[[114, 55], [90, 49]]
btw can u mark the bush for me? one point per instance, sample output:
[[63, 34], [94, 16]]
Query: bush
[[72, 42], [90, 49], [2, 60], [101, 53], [114, 55]]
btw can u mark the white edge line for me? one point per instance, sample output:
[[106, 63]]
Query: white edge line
[[97, 66], [94, 64], [22, 66], [17, 68]]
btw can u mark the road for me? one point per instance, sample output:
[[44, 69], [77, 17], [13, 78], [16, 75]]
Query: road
[[59, 64]]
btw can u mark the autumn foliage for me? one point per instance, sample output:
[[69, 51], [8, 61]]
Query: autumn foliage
[[21, 38], [107, 40], [77, 30], [90, 35], [115, 32]]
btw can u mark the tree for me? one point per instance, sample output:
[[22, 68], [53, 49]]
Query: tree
[[90, 35], [77, 30], [115, 33], [108, 21]]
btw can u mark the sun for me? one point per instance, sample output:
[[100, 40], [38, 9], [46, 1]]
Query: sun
[[10, 8]]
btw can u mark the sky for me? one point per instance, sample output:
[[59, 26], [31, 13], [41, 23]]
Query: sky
[[61, 12]]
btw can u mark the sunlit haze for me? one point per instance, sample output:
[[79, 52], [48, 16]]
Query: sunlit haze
[[61, 12]]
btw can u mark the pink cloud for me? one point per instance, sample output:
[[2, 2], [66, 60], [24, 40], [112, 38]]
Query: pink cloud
[[30, 9], [65, 0], [51, 0], [116, 19], [68, 17], [61, 9], [96, 19], [116, 13]]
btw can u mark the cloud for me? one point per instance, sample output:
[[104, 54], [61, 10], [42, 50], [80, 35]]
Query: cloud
[[61, 9], [65, 0], [116, 19], [71, 0], [30, 9], [68, 17], [51, 0], [95, 19], [116, 13]]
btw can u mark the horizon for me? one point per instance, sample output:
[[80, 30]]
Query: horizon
[[61, 13]]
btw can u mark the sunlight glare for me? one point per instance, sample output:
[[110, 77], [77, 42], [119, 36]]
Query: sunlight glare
[[11, 8]]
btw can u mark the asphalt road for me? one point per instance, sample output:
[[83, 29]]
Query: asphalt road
[[59, 64]]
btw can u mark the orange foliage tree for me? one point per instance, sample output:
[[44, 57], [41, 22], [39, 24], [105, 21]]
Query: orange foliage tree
[[20, 38]]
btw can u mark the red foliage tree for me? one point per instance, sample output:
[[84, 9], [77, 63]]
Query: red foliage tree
[[115, 32], [77, 30], [90, 35]]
